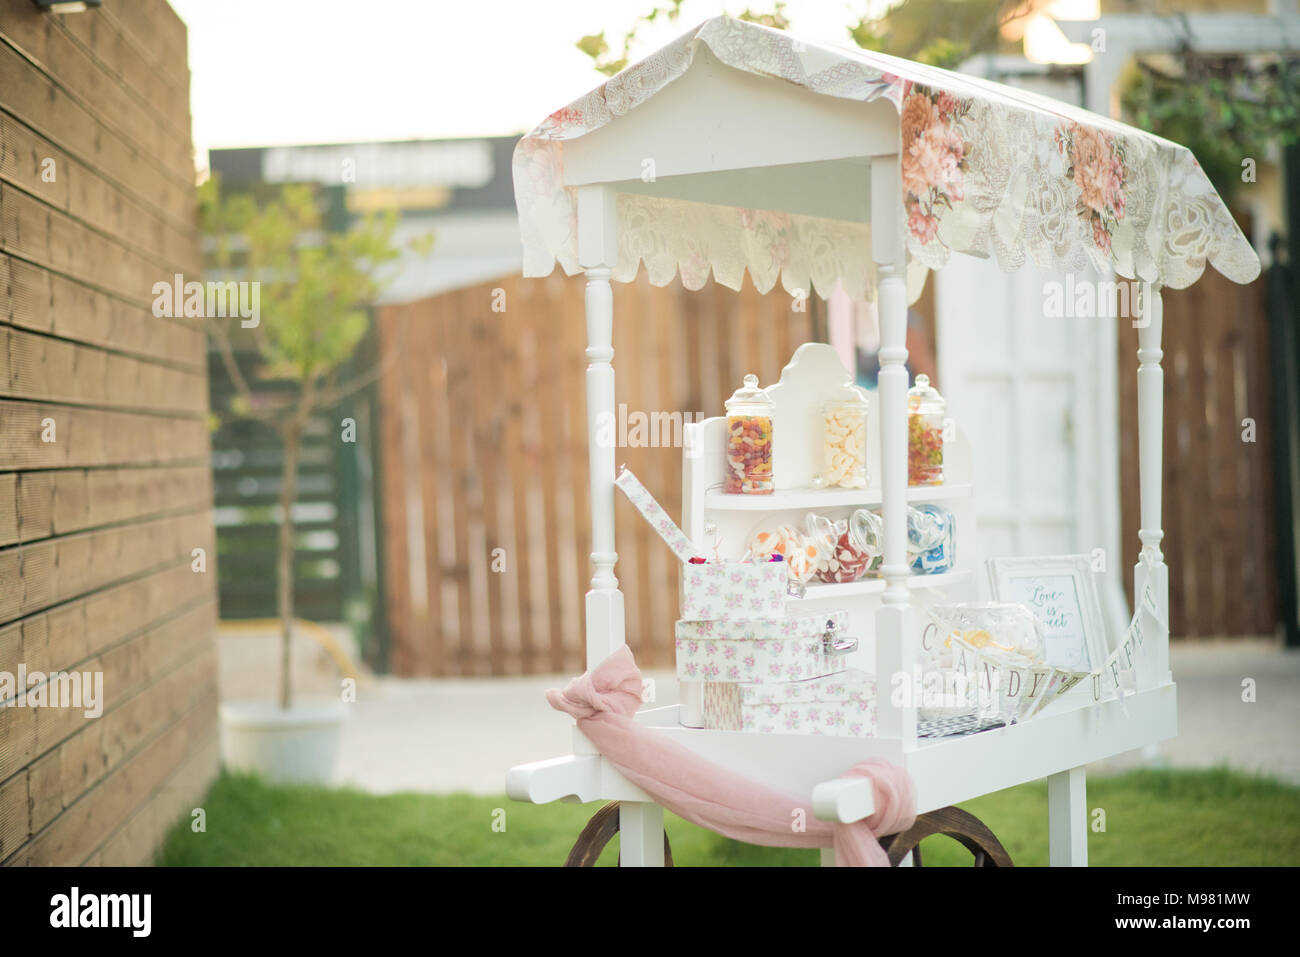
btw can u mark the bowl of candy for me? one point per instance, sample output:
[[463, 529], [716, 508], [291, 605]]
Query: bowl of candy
[[983, 658]]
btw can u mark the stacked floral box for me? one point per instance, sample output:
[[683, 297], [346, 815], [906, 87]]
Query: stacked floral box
[[783, 676], [762, 668], [840, 704]]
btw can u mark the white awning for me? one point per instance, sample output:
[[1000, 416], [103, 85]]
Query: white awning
[[985, 169]]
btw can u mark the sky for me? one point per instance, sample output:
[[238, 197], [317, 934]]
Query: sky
[[279, 72]]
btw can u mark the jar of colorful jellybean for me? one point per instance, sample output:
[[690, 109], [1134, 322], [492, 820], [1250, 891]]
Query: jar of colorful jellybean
[[925, 409], [749, 441]]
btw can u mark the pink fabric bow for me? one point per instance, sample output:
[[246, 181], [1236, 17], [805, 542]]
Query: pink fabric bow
[[604, 700]]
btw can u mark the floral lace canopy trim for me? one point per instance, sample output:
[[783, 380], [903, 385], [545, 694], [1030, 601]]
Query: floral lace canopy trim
[[986, 170], [806, 254]]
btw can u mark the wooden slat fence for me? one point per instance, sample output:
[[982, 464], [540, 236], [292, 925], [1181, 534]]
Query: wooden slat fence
[[484, 460], [483, 447], [1219, 519]]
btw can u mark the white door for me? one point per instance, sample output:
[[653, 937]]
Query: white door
[[1037, 396]]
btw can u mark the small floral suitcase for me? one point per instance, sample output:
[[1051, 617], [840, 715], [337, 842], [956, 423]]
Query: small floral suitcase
[[734, 590], [841, 704], [712, 589], [806, 645]]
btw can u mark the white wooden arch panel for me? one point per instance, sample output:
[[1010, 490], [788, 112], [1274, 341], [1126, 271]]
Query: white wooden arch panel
[[760, 125]]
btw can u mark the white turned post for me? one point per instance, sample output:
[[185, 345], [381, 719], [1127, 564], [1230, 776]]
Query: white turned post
[[597, 254], [1067, 818], [895, 637], [640, 834], [641, 825], [1153, 660]]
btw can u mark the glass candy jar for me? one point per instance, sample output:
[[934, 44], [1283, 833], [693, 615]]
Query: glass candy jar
[[998, 626], [931, 540], [867, 529], [799, 550], [749, 441], [844, 442], [1006, 638], [844, 554], [925, 410]]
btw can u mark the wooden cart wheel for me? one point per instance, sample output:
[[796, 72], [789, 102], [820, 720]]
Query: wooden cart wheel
[[964, 828], [598, 832], [961, 826]]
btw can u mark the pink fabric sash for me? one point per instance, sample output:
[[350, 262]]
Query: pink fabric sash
[[604, 702]]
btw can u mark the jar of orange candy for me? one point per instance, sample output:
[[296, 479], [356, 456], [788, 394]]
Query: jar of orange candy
[[749, 441], [925, 408], [800, 552]]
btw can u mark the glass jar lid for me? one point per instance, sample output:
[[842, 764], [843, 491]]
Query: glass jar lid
[[926, 528], [924, 397], [748, 396], [823, 533], [865, 532], [850, 397]]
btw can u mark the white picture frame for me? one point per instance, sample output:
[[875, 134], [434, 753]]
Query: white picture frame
[[1061, 591]]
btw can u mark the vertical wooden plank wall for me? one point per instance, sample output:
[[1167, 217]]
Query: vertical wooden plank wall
[[484, 447], [1220, 540], [97, 527]]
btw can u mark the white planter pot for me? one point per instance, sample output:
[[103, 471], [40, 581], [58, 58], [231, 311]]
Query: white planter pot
[[300, 745]]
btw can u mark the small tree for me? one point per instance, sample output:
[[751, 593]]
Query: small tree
[[1228, 110], [914, 29], [315, 287]]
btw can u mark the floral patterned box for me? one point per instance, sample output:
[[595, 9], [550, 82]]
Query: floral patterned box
[[734, 590], [843, 705], [786, 649]]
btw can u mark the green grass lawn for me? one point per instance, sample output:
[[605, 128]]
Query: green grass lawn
[[1151, 818]]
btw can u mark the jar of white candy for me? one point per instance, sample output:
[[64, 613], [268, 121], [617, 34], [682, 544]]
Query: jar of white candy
[[844, 441]]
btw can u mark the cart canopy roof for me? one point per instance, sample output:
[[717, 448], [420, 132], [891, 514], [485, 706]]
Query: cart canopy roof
[[742, 147]]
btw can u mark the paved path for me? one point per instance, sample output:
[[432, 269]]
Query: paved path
[[1216, 727], [443, 735]]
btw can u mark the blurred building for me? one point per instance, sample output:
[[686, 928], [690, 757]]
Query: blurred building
[[459, 190]]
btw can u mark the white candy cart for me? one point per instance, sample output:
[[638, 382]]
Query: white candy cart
[[740, 147]]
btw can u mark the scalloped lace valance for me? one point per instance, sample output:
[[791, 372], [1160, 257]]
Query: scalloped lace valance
[[986, 170]]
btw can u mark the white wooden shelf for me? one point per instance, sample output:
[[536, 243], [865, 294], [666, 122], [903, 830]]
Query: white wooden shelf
[[812, 498], [875, 586]]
